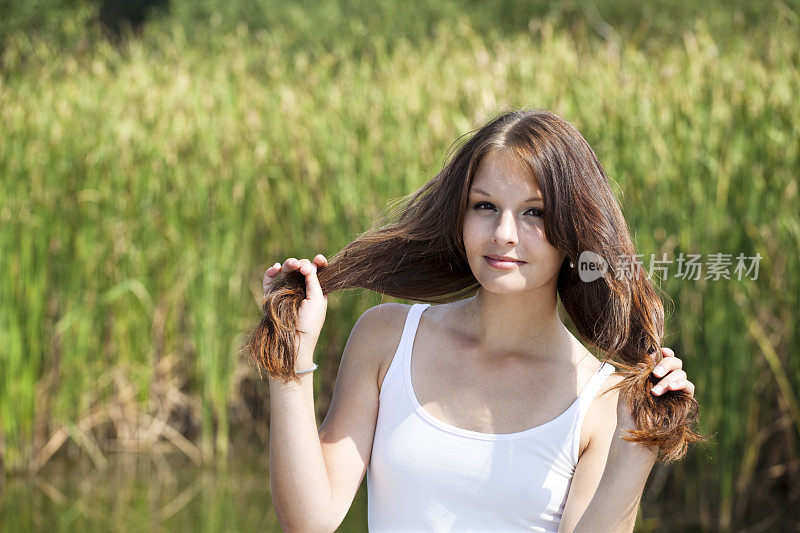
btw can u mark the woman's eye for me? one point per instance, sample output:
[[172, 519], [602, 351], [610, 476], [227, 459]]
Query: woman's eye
[[488, 206]]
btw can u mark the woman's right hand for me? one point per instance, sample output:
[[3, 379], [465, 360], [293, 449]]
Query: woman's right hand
[[311, 315]]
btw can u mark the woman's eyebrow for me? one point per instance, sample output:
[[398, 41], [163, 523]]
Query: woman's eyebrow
[[484, 193]]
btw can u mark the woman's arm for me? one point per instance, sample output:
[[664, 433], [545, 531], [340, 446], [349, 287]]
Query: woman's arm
[[316, 472], [611, 472], [613, 504]]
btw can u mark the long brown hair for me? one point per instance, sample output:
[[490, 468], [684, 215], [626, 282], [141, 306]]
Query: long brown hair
[[415, 251]]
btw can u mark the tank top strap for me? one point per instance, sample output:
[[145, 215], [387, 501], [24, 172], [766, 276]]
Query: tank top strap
[[409, 332], [585, 398], [412, 322], [593, 386], [394, 374]]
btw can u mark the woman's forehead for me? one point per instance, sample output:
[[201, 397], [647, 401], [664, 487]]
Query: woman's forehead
[[502, 172]]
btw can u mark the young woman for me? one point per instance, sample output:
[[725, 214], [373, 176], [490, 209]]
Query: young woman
[[482, 412]]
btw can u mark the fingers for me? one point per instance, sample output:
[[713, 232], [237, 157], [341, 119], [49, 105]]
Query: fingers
[[678, 384], [665, 352], [309, 270], [269, 275], [671, 368], [289, 265], [675, 380], [685, 385], [313, 289], [306, 267], [666, 365]]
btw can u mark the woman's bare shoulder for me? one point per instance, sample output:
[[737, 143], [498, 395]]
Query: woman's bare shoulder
[[606, 400], [600, 420], [379, 329], [384, 319]]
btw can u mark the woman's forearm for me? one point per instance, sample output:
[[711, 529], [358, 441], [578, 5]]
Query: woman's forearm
[[301, 489], [615, 503]]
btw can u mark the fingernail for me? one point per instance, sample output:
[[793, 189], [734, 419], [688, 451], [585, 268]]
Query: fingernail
[[659, 371], [658, 389]]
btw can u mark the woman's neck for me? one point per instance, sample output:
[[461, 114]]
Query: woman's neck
[[516, 324]]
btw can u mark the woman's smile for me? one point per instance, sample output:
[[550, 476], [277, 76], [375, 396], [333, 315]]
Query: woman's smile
[[502, 262]]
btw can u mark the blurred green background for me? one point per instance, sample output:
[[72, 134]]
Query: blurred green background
[[151, 171]]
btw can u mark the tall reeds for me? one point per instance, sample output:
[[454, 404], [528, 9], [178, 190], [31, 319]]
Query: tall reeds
[[144, 191]]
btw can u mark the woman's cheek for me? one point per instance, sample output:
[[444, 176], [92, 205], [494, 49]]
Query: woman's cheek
[[471, 236]]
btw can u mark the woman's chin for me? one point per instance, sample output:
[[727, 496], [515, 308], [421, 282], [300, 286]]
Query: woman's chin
[[503, 286]]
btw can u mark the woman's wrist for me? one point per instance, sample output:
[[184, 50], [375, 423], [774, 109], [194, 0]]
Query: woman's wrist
[[305, 358]]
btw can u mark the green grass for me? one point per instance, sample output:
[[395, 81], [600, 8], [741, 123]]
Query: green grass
[[145, 189]]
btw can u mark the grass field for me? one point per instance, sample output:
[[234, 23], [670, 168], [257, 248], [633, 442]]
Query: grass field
[[145, 188]]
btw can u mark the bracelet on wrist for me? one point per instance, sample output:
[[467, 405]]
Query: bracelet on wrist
[[307, 370]]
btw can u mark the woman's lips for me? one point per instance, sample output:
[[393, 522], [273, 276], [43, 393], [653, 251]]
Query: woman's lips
[[503, 265]]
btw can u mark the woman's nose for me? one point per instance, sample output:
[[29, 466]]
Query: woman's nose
[[506, 230]]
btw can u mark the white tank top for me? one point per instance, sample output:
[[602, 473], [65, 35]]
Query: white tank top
[[426, 475]]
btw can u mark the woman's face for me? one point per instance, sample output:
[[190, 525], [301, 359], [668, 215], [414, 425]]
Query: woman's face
[[504, 221]]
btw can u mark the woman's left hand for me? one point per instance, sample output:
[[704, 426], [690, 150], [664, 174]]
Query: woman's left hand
[[674, 378]]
